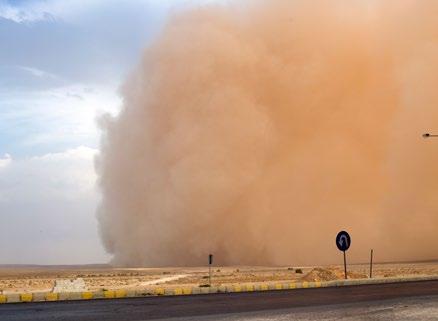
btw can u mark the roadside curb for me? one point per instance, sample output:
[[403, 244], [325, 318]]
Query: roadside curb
[[235, 288]]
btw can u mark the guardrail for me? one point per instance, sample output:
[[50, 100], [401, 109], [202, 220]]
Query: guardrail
[[247, 287]]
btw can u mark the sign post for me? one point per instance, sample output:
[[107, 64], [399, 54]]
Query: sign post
[[210, 262], [343, 242], [371, 264]]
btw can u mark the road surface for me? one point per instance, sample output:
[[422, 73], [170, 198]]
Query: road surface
[[402, 309], [272, 305]]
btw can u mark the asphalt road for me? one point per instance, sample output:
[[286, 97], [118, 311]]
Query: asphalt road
[[401, 309], [208, 306]]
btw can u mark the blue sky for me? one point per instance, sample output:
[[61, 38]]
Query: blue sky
[[61, 64], [58, 56]]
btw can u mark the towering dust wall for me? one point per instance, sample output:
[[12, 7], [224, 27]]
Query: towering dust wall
[[258, 130]]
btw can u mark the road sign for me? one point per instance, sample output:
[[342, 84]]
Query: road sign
[[343, 241]]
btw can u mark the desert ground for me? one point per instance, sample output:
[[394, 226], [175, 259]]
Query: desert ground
[[14, 279]]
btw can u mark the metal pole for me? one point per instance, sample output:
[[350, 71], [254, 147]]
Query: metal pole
[[209, 275], [345, 265], [371, 264]]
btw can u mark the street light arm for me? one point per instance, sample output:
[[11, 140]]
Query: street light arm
[[427, 135]]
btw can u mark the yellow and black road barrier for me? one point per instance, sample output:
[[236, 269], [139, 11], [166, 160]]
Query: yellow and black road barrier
[[163, 291]]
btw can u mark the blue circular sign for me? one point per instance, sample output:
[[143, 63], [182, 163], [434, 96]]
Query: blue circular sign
[[343, 241]]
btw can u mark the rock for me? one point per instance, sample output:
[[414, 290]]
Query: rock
[[76, 285]]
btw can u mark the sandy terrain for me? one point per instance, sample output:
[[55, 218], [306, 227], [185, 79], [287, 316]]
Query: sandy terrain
[[36, 279]]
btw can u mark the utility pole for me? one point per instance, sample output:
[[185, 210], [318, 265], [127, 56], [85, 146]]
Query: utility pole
[[210, 262]]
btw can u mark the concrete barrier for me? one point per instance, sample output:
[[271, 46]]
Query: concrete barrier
[[187, 291], [130, 294], [196, 290], [204, 290], [159, 291], [109, 294], [52, 297], [234, 288], [26, 297], [13, 298], [249, 287], [264, 287], [120, 294]]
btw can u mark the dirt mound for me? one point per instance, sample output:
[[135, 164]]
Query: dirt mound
[[330, 274]]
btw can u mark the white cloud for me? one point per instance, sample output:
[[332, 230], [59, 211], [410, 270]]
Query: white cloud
[[5, 161], [33, 11], [37, 72], [67, 175], [63, 116], [69, 10], [26, 13], [47, 209], [44, 10]]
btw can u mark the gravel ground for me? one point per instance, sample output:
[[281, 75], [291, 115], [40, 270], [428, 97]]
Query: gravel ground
[[34, 279]]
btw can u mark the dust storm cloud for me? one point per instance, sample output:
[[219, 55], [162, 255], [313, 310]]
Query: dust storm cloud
[[257, 130]]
